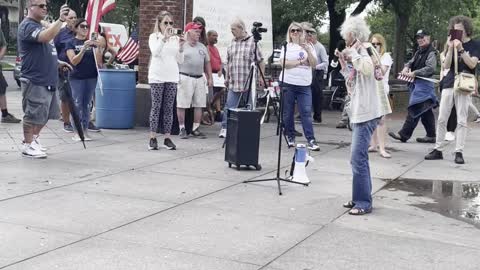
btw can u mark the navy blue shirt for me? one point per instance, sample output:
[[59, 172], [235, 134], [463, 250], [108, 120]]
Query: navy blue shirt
[[61, 41], [87, 68], [471, 47], [39, 60]]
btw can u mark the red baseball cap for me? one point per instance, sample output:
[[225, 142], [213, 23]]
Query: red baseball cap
[[192, 26]]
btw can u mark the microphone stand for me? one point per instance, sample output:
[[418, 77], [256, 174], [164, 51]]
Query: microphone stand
[[280, 123]]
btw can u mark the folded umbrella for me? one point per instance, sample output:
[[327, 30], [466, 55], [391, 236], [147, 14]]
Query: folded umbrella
[[73, 108]]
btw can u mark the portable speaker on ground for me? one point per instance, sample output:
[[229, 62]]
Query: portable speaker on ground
[[243, 138]]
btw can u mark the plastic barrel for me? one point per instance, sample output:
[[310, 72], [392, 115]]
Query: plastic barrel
[[115, 109]]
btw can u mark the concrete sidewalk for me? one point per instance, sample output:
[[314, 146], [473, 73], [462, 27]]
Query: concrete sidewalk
[[118, 206]]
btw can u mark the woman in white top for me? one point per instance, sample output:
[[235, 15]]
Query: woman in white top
[[166, 47], [368, 105], [300, 58], [378, 138]]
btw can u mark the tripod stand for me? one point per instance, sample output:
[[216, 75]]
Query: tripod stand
[[280, 131]]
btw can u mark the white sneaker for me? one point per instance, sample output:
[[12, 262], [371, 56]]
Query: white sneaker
[[37, 145], [29, 151], [87, 137], [223, 133], [450, 136], [76, 138], [478, 119]]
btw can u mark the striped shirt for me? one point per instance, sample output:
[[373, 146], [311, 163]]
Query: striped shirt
[[240, 55]]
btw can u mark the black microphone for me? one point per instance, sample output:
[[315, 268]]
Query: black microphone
[[340, 47]]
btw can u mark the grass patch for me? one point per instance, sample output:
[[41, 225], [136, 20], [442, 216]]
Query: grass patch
[[7, 67]]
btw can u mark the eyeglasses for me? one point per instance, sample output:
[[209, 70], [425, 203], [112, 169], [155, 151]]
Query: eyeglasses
[[84, 26], [168, 23], [42, 6], [295, 30], [377, 44]]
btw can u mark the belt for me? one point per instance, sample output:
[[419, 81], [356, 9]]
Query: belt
[[193, 76]]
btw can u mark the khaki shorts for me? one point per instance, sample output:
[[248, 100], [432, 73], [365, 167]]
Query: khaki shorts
[[38, 103], [192, 92]]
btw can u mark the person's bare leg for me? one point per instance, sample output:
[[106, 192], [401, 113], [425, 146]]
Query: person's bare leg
[[181, 116], [381, 136], [28, 132], [198, 116], [374, 141], [3, 102], [65, 112]]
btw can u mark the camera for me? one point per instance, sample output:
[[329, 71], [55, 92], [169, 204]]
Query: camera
[[257, 30]]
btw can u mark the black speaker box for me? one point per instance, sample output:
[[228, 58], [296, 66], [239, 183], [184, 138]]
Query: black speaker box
[[243, 138]]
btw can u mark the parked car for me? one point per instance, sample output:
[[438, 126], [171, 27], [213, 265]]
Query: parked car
[[16, 70]]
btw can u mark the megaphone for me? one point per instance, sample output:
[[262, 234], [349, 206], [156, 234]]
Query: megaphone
[[301, 159]]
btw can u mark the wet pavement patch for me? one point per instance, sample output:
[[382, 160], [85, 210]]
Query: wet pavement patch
[[459, 200]]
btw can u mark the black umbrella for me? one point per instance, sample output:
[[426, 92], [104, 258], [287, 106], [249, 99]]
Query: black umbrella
[[73, 109]]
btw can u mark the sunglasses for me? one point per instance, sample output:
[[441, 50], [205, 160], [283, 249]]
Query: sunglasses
[[310, 32], [168, 23], [377, 44], [295, 30], [42, 6], [84, 26]]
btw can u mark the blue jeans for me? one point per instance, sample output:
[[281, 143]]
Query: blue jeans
[[232, 102], [82, 94], [303, 96], [362, 181]]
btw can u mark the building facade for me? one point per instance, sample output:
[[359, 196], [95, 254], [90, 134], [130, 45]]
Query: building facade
[[9, 17], [149, 9]]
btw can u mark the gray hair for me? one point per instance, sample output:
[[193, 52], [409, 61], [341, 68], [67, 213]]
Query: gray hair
[[357, 26], [238, 23]]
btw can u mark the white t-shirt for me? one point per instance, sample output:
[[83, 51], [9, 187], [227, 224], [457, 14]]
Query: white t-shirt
[[301, 75], [386, 60]]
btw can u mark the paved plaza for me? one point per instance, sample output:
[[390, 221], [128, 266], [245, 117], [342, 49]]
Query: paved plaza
[[117, 206]]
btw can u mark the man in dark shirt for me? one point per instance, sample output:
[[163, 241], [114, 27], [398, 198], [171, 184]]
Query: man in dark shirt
[[65, 35], [6, 116], [422, 93], [39, 74]]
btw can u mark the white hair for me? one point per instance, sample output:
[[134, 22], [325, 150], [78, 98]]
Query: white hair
[[238, 23], [357, 26]]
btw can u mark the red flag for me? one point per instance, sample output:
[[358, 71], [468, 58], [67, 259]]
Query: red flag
[[96, 9]]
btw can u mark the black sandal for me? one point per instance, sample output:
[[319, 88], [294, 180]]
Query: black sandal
[[359, 211], [349, 204]]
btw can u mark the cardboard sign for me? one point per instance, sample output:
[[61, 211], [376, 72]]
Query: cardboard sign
[[116, 34]]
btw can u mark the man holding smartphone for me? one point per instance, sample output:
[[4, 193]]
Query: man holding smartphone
[[39, 73], [422, 92]]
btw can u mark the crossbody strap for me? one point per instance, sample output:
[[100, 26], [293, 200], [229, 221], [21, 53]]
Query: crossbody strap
[[455, 57]]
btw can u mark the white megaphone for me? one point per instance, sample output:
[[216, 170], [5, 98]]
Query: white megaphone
[[301, 158]]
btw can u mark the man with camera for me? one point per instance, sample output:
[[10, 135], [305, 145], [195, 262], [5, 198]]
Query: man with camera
[[240, 55], [39, 73], [191, 88], [422, 92]]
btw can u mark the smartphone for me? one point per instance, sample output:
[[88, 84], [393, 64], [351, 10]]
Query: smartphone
[[175, 31], [93, 36], [455, 34]]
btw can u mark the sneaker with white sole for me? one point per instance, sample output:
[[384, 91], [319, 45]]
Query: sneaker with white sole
[[168, 144], [313, 145], [223, 133], [87, 137], [76, 138], [290, 142], [31, 152], [450, 136], [36, 144], [478, 119]]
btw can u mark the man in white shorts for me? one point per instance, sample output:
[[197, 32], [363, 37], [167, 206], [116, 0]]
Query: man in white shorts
[[192, 87]]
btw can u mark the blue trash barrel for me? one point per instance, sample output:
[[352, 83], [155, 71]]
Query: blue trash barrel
[[116, 107]]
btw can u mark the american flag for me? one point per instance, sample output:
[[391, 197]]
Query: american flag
[[96, 9], [129, 52], [405, 78]]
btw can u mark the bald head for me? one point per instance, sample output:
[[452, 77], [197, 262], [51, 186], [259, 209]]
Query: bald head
[[212, 37]]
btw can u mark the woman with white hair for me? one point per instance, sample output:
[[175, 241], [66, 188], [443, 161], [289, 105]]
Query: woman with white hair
[[368, 104], [300, 58]]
